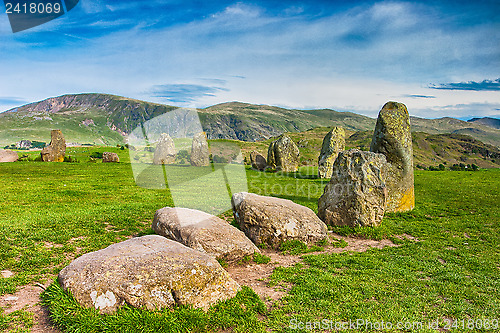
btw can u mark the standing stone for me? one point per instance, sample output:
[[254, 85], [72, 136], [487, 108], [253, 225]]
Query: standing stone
[[283, 154], [108, 157], [165, 150], [200, 154], [56, 150], [7, 156], [356, 194], [258, 161], [392, 137], [150, 272], [271, 221], [203, 232], [333, 143]]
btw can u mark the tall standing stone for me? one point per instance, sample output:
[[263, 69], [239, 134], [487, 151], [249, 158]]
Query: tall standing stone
[[356, 194], [392, 137], [333, 143], [200, 154], [56, 150], [283, 154], [165, 150]]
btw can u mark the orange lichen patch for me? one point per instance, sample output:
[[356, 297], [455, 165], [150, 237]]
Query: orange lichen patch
[[407, 201]]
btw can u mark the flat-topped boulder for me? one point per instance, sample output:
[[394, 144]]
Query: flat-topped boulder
[[149, 272], [333, 143], [56, 150], [200, 153], [283, 154], [8, 156], [392, 137], [108, 157], [258, 161], [203, 232], [165, 150], [271, 221], [356, 194]]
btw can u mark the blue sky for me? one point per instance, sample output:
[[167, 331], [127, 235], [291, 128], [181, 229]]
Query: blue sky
[[440, 58]]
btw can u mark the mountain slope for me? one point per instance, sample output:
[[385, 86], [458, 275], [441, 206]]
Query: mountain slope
[[107, 119], [486, 121]]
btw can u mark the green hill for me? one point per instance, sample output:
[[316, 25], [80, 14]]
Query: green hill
[[106, 120]]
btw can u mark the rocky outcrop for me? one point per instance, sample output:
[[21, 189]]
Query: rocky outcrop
[[392, 137], [200, 154], [356, 194], [7, 156], [283, 154], [56, 151], [258, 161], [149, 272], [203, 232], [333, 143], [165, 150], [271, 221], [108, 157]]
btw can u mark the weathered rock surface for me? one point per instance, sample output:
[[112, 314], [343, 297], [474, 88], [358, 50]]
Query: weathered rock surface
[[392, 137], [56, 150], [151, 272], [200, 154], [7, 156], [108, 157], [333, 143], [258, 161], [272, 220], [203, 232], [165, 150], [356, 194], [283, 154]]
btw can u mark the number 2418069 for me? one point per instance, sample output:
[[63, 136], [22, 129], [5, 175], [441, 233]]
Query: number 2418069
[[33, 8]]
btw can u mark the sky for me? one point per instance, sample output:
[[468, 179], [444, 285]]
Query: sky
[[440, 58]]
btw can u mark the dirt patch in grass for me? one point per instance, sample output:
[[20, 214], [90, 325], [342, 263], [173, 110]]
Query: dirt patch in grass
[[28, 299], [252, 275], [256, 276]]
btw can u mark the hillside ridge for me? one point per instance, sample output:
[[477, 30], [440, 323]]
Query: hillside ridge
[[106, 119]]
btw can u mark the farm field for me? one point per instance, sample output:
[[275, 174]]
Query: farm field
[[446, 270]]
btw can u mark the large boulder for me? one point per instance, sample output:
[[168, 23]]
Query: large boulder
[[271, 221], [203, 232], [149, 272], [56, 150], [108, 157], [7, 156], [283, 154], [200, 154], [356, 194], [392, 137], [258, 161], [333, 143], [165, 150]]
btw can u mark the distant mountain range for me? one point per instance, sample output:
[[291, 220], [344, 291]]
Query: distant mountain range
[[106, 119]]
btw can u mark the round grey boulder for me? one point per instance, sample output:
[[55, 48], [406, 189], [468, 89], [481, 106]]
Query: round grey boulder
[[271, 221], [149, 272], [203, 232]]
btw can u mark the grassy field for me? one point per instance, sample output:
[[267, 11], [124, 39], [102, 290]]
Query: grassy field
[[54, 212]]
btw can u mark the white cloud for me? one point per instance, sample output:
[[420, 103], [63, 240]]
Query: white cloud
[[355, 60]]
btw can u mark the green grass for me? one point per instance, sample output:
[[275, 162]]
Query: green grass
[[53, 212]]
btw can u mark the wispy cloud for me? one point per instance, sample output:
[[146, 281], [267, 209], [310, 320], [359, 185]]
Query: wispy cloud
[[184, 93], [485, 85], [13, 100], [419, 96]]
